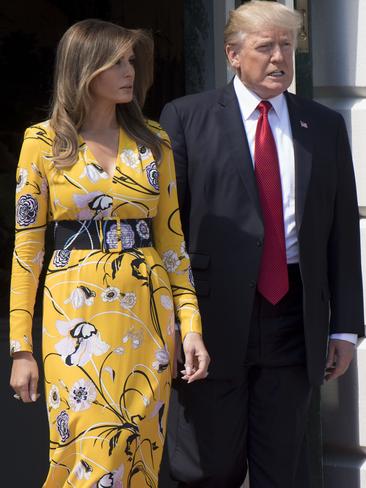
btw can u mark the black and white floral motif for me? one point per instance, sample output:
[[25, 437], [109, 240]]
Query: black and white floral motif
[[93, 205], [94, 173], [112, 237], [82, 394], [82, 341], [171, 261], [101, 203], [145, 153], [110, 294], [54, 397], [162, 359], [127, 236], [82, 295], [83, 470], [153, 175], [22, 179], [61, 258], [128, 300], [62, 422], [26, 211], [112, 480], [143, 229]]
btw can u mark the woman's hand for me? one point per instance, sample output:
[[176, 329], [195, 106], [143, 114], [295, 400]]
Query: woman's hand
[[24, 376], [196, 358]]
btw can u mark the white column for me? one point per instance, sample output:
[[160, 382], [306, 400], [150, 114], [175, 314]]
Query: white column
[[339, 59]]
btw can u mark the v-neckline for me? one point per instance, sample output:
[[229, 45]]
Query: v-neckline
[[95, 160]]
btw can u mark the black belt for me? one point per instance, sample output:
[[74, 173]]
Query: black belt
[[106, 235]]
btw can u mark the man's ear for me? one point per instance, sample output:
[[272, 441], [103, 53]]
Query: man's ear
[[232, 54]]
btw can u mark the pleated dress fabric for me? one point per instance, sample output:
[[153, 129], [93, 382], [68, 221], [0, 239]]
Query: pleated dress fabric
[[108, 314]]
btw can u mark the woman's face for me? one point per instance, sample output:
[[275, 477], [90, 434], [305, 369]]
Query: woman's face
[[115, 84]]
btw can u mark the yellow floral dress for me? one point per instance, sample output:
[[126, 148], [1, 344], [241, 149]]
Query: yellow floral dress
[[109, 314]]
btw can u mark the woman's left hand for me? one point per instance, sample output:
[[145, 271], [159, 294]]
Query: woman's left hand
[[196, 358]]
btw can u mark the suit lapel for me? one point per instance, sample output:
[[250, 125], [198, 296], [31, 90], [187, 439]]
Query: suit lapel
[[302, 135], [236, 141]]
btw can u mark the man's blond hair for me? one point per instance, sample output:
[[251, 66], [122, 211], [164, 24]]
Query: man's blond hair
[[257, 15]]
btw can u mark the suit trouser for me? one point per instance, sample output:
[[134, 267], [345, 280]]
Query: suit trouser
[[256, 419]]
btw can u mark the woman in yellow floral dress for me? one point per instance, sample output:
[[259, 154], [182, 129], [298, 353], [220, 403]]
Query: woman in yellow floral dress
[[119, 276]]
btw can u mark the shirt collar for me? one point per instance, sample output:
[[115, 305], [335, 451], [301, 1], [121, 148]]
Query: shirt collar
[[248, 100]]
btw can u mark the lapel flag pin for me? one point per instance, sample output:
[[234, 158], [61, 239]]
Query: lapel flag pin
[[303, 124]]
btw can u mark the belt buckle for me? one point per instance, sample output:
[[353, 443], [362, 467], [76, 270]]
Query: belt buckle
[[119, 235], [110, 232]]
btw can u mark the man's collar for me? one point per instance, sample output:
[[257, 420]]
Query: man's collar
[[248, 100]]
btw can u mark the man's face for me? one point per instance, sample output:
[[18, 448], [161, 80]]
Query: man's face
[[264, 61]]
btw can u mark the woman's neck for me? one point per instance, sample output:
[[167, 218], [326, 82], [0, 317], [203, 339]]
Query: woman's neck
[[100, 118]]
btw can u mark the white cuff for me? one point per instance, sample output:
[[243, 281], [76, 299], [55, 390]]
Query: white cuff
[[345, 337]]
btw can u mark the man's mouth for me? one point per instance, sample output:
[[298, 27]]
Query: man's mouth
[[276, 74]]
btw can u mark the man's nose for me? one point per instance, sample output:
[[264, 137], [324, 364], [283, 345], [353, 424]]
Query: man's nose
[[277, 53]]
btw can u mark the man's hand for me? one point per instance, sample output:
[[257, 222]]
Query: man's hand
[[340, 354], [196, 358], [24, 376]]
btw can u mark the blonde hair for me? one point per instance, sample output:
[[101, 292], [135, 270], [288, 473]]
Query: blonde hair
[[85, 50], [258, 14]]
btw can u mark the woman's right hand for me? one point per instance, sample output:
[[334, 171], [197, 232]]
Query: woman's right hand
[[24, 376]]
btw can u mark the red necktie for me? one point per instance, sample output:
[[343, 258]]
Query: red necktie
[[273, 276]]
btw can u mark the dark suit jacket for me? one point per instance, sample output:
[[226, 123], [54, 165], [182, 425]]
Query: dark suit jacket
[[223, 225]]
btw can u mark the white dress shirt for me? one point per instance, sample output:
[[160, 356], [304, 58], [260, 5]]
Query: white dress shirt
[[279, 121]]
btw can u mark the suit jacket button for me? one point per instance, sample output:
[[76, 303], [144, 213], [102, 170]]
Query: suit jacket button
[[252, 284], [259, 243]]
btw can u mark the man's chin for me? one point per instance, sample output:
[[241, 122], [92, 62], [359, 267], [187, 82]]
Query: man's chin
[[274, 88]]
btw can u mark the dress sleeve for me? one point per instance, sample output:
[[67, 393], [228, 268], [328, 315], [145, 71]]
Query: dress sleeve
[[170, 244], [30, 225]]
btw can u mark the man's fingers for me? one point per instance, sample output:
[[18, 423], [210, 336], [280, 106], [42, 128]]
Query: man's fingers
[[331, 356], [339, 358]]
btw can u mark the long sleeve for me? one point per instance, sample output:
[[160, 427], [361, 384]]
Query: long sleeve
[[169, 241], [30, 226]]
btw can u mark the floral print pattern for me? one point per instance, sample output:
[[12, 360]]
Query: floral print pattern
[[54, 397], [143, 229], [61, 258], [108, 340], [22, 179], [153, 175], [128, 236], [62, 422], [171, 261], [26, 211], [83, 393]]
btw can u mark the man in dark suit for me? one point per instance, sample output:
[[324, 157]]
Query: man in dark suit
[[270, 215]]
